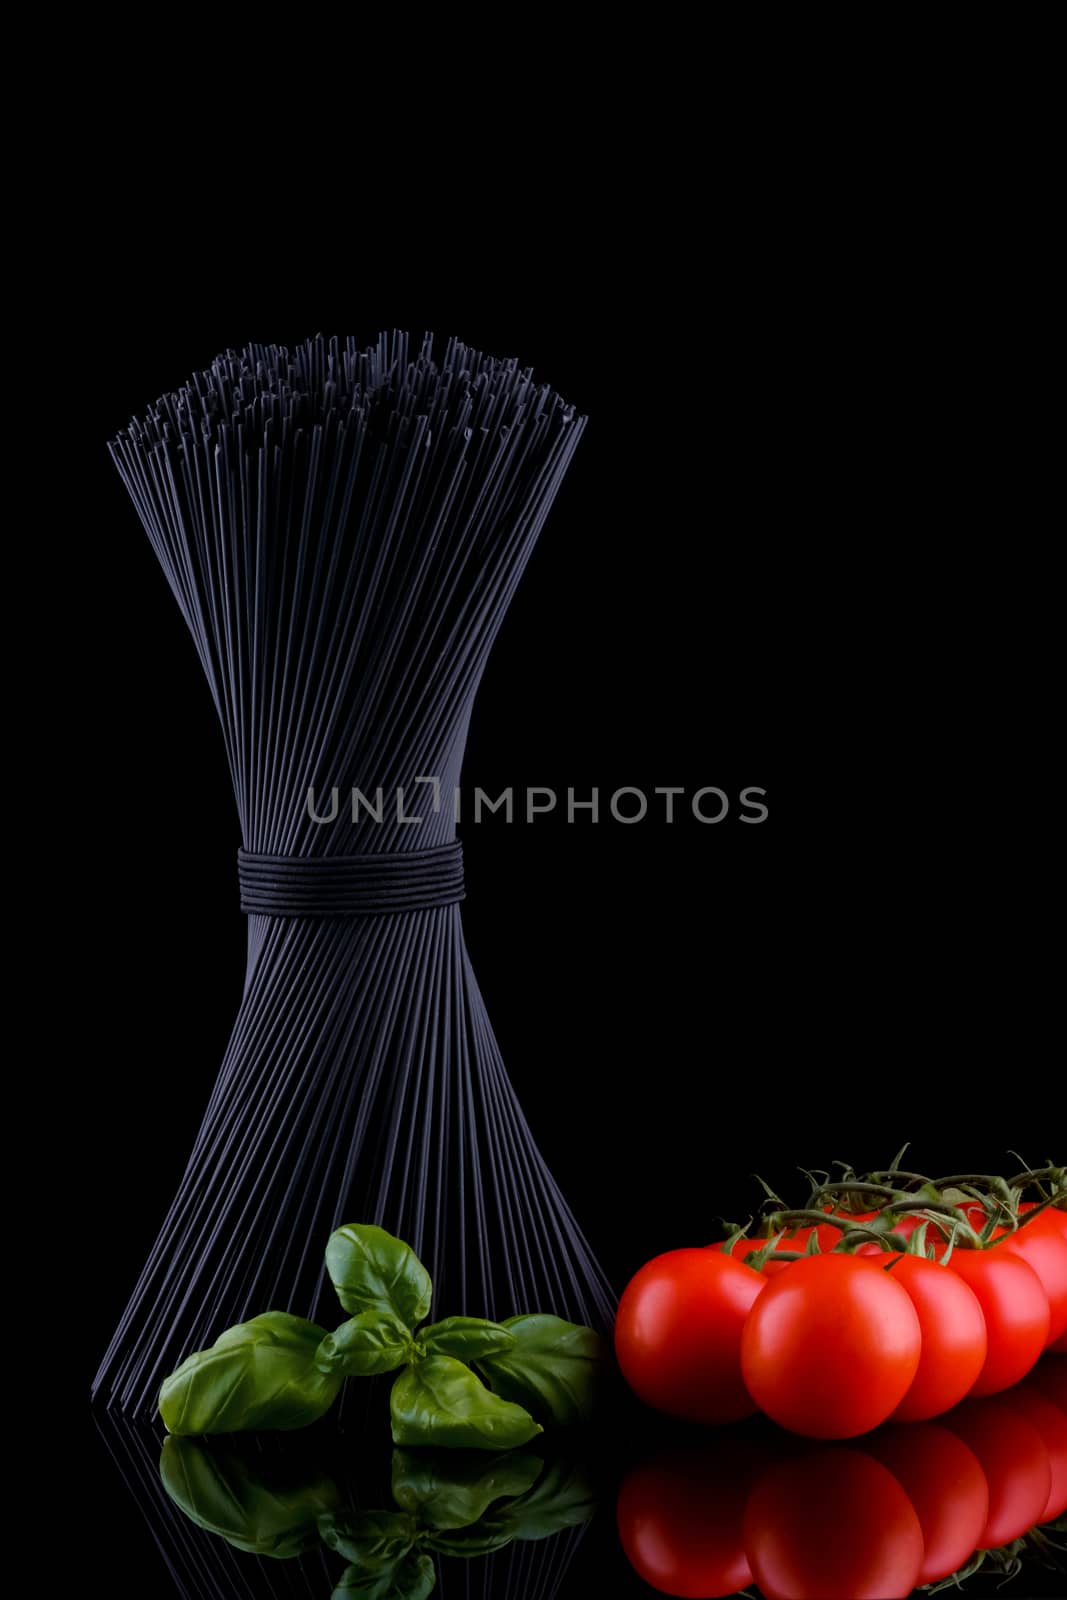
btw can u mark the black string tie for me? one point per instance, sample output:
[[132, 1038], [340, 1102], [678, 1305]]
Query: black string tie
[[350, 886]]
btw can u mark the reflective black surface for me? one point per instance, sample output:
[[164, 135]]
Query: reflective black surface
[[981, 1492]]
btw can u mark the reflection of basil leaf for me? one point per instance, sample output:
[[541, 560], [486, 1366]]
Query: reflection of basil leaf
[[467, 1338], [448, 1491], [375, 1341], [561, 1498], [480, 1540], [372, 1271], [261, 1374], [439, 1401], [372, 1540], [413, 1579], [227, 1494], [554, 1369]]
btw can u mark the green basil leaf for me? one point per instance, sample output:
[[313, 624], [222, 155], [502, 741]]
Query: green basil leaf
[[372, 1271], [261, 1374], [237, 1498], [371, 1540], [466, 1338], [413, 1579], [562, 1497], [375, 1341], [555, 1369], [439, 1401], [446, 1490]]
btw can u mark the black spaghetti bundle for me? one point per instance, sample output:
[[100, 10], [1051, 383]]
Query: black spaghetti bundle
[[343, 530]]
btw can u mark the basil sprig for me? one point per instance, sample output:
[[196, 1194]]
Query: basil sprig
[[261, 1374], [552, 1367], [439, 1400], [279, 1371]]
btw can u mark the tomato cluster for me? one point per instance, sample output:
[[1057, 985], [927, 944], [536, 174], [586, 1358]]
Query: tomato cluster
[[909, 1506], [835, 1327]]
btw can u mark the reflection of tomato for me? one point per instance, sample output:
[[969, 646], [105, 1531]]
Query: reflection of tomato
[[1015, 1307], [943, 1480], [830, 1347], [1050, 1379], [1051, 1424], [678, 1334], [1041, 1245], [1015, 1462], [680, 1520], [832, 1525], [953, 1337]]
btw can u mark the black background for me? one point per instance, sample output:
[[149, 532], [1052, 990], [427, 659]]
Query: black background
[[772, 564]]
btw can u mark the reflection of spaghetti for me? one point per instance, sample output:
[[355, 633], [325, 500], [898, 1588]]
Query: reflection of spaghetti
[[285, 1516], [909, 1504], [343, 532]]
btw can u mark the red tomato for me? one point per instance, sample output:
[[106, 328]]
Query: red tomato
[[1015, 1307], [831, 1347], [829, 1236], [942, 1478], [1016, 1464], [680, 1519], [854, 1219], [953, 1337], [832, 1525], [1054, 1218], [1028, 1401], [1055, 1221], [905, 1226], [1042, 1247], [743, 1248], [678, 1334]]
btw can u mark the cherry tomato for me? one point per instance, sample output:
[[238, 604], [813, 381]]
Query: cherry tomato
[[1028, 1401], [678, 1334], [831, 1347], [953, 1337], [1054, 1218], [1016, 1464], [829, 1236], [942, 1478], [1043, 1248], [741, 1249], [680, 1519], [832, 1524], [1015, 1307], [905, 1226]]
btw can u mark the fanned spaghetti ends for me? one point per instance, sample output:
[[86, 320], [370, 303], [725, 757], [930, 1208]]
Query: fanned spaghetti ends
[[343, 530]]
